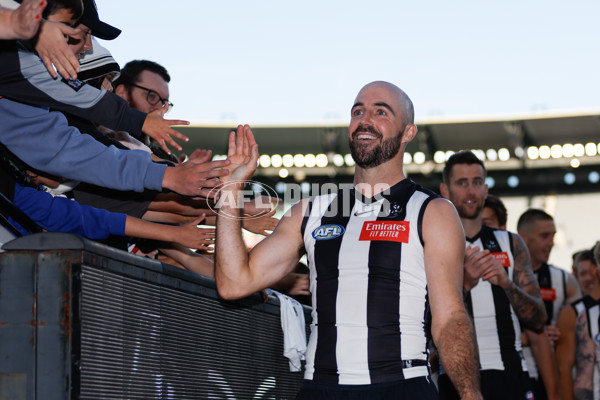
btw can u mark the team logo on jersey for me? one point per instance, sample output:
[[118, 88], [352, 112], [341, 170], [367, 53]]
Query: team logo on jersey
[[529, 395], [395, 210], [74, 84], [548, 294], [328, 231], [502, 256], [597, 338], [388, 231], [491, 244]]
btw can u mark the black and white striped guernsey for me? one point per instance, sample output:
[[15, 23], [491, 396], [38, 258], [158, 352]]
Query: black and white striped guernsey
[[553, 286], [496, 324], [368, 284]]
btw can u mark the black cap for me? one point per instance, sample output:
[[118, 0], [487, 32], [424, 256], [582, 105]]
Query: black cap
[[91, 19]]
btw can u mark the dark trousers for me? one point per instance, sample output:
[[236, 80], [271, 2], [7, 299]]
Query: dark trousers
[[416, 388], [495, 385]]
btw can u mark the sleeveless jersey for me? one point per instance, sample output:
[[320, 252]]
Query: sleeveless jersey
[[592, 308], [553, 286], [496, 323], [370, 318]]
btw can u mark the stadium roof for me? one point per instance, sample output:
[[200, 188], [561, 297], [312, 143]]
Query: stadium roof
[[435, 133]]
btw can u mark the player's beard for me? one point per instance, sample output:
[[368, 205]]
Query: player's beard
[[370, 158], [465, 213]]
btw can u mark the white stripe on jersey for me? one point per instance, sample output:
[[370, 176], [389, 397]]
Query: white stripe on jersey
[[351, 303]]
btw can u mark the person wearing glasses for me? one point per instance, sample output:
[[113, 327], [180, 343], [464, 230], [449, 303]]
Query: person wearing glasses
[[144, 85]]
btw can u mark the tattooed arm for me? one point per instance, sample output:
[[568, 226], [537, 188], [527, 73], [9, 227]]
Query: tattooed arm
[[584, 360], [523, 291], [524, 294]]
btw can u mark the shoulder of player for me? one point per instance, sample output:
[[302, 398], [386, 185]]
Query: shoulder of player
[[441, 217]]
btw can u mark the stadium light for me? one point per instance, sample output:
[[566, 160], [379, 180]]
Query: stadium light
[[264, 161], [310, 160], [569, 178], [556, 151], [419, 157], [491, 154], [544, 152], [299, 160], [568, 150], [338, 160], [349, 160], [276, 160], [590, 149], [288, 160], [322, 160], [533, 153], [504, 154], [439, 157]]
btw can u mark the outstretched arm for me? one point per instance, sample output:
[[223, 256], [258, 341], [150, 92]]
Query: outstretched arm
[[585, 360], [238, 273], [444, 253], [188, 235]]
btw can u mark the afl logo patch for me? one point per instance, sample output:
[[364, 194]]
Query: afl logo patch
[[327, 232]]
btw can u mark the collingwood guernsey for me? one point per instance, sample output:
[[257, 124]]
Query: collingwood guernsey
[[496, 324], [370, 319]]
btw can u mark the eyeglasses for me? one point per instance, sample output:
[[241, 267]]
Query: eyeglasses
[[153, 98]]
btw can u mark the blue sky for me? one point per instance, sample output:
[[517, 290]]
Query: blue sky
[[283, 62]]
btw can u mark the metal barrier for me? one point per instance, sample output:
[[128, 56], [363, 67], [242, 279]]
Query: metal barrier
[[79, 320]]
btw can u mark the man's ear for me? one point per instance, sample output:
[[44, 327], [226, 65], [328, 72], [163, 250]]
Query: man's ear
[[410, 131], [444, 191], [121, 91]]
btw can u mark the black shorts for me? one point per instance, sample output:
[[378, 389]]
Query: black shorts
[[421, 388], [495, 385]]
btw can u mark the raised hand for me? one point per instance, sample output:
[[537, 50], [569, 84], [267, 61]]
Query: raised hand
[[472, 267], [26, 19], [242, 154], [195, 178], [200, 155], [160, 130], [261, 224], [52, 47], [196, 238]]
